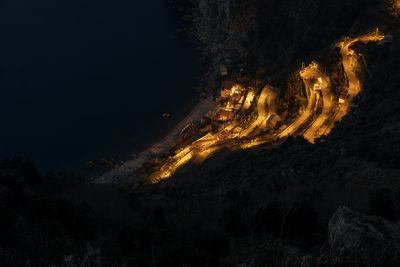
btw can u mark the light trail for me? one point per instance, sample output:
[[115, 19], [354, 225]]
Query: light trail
[[234, 129], [204, 147], [327, 101], [354, 87], [267, 95], [303, 117]]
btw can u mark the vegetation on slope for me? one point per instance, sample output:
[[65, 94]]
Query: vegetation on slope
[[257, 205]]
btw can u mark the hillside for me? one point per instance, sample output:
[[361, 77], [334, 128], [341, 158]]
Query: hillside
[[278, 203]]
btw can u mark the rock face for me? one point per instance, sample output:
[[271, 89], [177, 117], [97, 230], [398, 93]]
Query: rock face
[[359, 240], [354, 240], [215, 21], [274, 33], [223, 27]]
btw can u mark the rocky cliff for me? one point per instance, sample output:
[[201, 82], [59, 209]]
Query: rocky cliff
[[356, 239], [272, 34], [269, 204]]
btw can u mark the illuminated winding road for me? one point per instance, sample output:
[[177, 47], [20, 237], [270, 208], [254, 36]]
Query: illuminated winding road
[[204, 147], [269, 96], [348, 56], [306, 114], [235, 134], [317, 128], [327, 101]]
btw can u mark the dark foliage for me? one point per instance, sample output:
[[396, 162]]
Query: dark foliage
[[243, 205]]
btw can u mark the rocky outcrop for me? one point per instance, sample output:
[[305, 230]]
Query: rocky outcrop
[[222, 24], [223, 27], [359, 240], [354, 239], [274, 33]]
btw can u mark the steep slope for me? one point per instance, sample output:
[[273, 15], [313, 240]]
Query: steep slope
[[266, 206]]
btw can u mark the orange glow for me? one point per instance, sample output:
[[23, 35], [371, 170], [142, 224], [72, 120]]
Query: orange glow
[[238, 131], [395, 7], [307, 73], [249, 100]]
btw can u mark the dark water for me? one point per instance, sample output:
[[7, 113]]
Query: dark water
[[86, 79]]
